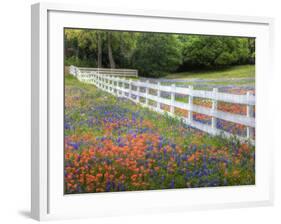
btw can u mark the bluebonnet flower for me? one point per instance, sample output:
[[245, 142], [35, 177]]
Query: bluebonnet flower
[[172, 184], [74, 145]]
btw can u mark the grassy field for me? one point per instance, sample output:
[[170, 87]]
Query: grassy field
[[112, 144], [242, 71]]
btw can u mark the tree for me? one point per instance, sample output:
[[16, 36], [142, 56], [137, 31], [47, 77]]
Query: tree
[[157, 54], [252, 49], [71, 42], [110, 54], [214, 51], [120, 48], [125, 44], [99, 40]]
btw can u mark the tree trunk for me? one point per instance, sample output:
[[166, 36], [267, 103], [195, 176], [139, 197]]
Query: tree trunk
[[99, 51], [110, 55], [77, 57], [77, 51]]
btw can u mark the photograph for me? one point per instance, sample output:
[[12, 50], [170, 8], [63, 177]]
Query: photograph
[[157, 111]]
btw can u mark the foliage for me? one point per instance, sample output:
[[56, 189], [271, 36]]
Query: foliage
[[79, 62], [215, 51], [155, 54]]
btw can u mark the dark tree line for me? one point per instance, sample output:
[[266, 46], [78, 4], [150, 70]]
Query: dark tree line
[[155, 54]]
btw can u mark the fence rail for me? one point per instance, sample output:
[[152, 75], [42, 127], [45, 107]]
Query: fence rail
[[131, 89], [106, 71]]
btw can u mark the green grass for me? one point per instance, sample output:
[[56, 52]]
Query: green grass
[[70, 79], [226, 82], [241, 71]]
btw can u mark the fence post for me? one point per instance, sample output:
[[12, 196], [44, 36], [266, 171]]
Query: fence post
[[121, 87], [75, 71], [119, 83], [106, 83], [116, 87], [214, 108], [94, 78], [102, 83], [91, 80], [78, 74], [146, 92], [158, 95], [130, 89], [172, 107], [138, 91], [111, 84], [190, 102], [250, 113]]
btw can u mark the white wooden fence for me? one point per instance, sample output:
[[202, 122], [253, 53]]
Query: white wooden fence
[[130, 89], [105, 71]]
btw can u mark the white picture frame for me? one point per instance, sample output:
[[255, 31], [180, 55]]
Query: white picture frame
[[47, 199]]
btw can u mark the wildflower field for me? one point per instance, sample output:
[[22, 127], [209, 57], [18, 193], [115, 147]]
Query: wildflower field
[[112, 144]]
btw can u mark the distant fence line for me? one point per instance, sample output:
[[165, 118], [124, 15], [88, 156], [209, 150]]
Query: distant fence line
[[130, 89], [106, 71]]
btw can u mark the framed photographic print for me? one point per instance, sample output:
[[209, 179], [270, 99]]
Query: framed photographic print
[[148, 111]]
